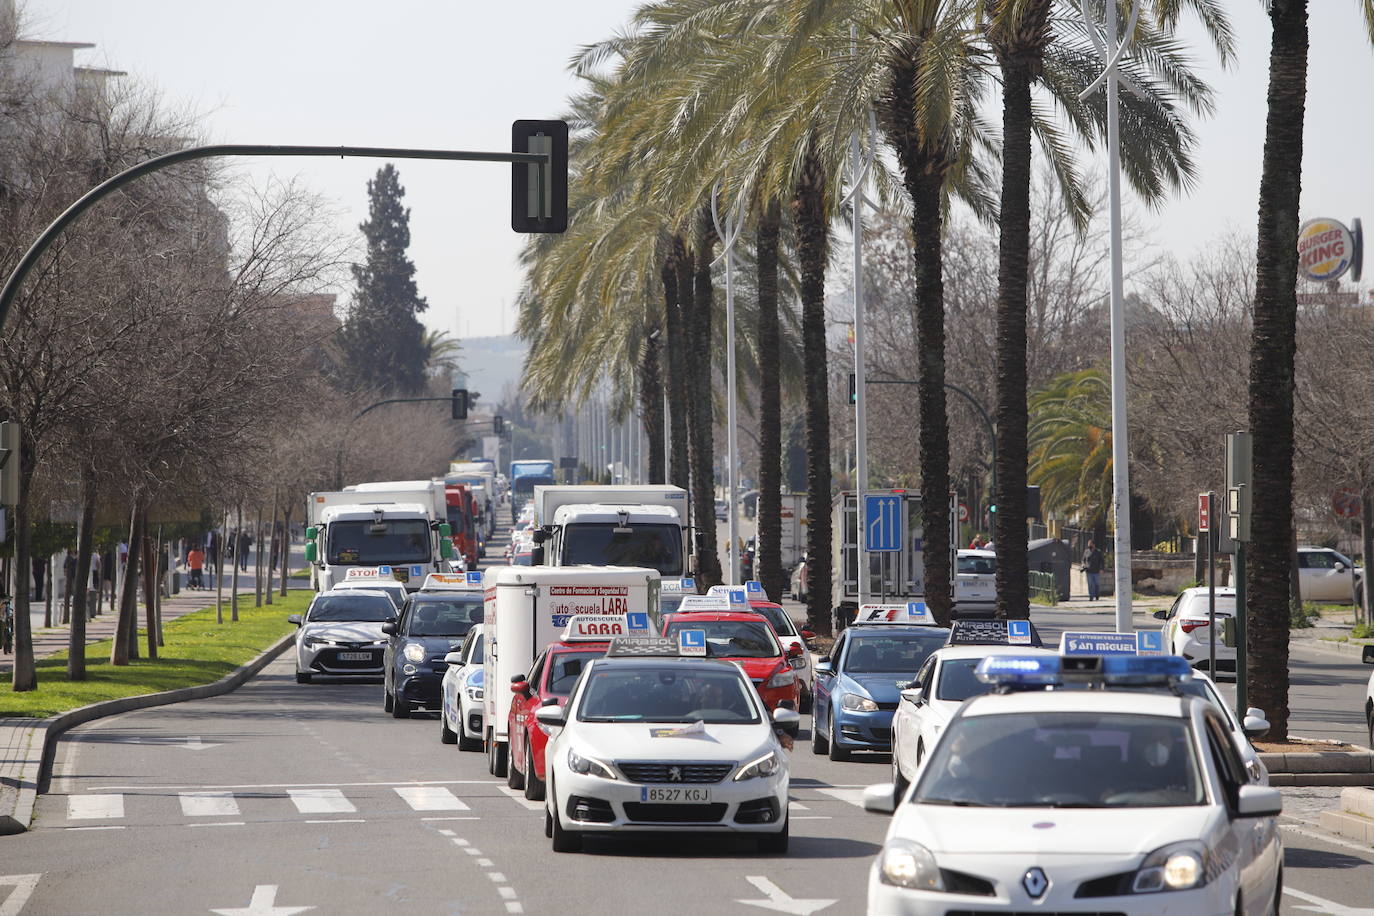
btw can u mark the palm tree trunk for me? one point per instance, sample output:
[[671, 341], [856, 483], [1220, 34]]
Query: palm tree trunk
[[700, 419], [76, 643], [25, 674], [1272, 352], [810, 215], [676, 286], [768, 546], [1009, 525], [650, 383]]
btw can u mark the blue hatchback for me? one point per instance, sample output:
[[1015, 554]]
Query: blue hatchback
[[858, 686], [431, 625]]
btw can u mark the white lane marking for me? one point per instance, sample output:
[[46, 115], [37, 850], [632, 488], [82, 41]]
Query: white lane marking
[[444, 832], [517, 796], [194, 743], [507, 892], [496, 877], [514, 907], [111, 827], [810, 817], [780, 900], [263, 903], [324, 785], [320, 801], [217, 824], [796, 806], [337, 820], [1328, 906], [485, 863], [23, 887], [462, 842], [472, 850], [470, 817], [855, 797], [89, 807], [431, 798], [208, 804]]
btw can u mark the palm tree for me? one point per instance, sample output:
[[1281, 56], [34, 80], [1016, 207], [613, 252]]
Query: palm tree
[[1272, 351], [1071, 444], [440, 352]]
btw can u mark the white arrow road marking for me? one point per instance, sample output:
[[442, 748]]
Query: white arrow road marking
[[87, 807], [23, 887], [264, 903], [780, 900], [1328, 906], [194, 743]]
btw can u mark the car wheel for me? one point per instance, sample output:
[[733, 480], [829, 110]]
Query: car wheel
[[548, 822], [496, 755], [302, 677], [400, 709], [836, 752], [775, 843], [446, 734], [464, 742], [1276, 906], [534, 786], [386, 699], [514, 778], [899, 783], [805, 705], [564, 840], [1370, 716], [920, 752], [818, 743]]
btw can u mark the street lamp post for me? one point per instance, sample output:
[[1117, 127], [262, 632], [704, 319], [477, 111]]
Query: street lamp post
[[728, 231]]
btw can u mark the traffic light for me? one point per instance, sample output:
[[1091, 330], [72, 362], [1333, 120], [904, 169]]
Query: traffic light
[[853, 389], [9, 464], [460, 403], [498, 424], [992, 510], [537, 206]]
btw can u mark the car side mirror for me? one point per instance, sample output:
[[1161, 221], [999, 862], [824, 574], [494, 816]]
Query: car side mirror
[[537, 555], [1255, 726], [1160, 614], [552, 716], [389, 628], [808, 635], [881, 798], [1368, 656], [540, 535], [787, 720], [1259, 801], [453, 658], [825, 666], [912, 695], [1339, 566], [294, 618], [520, 687]]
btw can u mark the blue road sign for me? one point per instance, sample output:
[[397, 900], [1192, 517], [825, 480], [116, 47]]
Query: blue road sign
[[1018, 633], [637, 622], [1072, 643], [1149, 642], [882, 523], [691, 642], [474, 578]]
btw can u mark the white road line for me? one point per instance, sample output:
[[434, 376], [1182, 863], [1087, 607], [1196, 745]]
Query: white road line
[[217, 824], [431, 798], [514, 907], [810, 817], [109, 827], [496, 877], [472, 850], [507, 892], [796, 806], [517, 796], [337, 820], [90, 807], [320, 801], [470, 817], [485, 863], [462, 842], [14, 901], [208, 804], [444, 832], [855, 797], [322, 785], [1325, 838]]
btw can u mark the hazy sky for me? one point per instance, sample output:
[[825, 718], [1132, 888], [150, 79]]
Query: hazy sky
[[455, 73]]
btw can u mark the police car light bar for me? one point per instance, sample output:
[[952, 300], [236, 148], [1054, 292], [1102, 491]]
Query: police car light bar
[[1020, 671], [1014, 671]]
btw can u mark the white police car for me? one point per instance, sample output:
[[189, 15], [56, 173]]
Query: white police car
[[461, 694], [1081, 801], [650, 740]]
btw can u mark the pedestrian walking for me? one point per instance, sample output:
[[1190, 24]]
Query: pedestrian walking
[[195, 562], [211, 557], [1092, 568], [245, 541]]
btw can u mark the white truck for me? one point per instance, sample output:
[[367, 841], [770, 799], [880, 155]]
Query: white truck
[[792, 543], [613, 526], [480, 479], [395, 524], [897, 576], [528, 607]]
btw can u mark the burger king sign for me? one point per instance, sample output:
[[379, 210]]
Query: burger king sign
[[1326, 249]]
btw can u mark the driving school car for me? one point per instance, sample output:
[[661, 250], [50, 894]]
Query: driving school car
[[657, 737]]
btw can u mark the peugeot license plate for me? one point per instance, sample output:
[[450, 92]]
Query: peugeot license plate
[[355, 656], [673, 794]]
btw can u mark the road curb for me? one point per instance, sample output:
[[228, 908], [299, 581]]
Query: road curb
[[1330, 645], [17, 801]]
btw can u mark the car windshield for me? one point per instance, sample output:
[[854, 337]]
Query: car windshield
[[1063, 760], [476, 658], [566, 667], [891, 653], [731, 638], [435, 616], [957, 681], [599, 544], [673, 695], [367, 543], [782, 624], [981, 566], [339, 608]]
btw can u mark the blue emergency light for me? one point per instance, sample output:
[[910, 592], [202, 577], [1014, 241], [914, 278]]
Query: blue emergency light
[[1015, 671], [1020, 671]]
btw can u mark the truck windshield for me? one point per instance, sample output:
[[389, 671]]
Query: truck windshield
[[597, 544], [527, 482], [455, 520], [395, 541]]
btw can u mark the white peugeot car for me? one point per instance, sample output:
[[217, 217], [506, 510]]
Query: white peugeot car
[[341, 634], [461, 690], [663, 743], [1081, 801]]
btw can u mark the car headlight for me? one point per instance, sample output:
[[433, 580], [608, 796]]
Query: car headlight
[[858, 704], [1177, 867], [414, 652], [783, 678], [588, 766], [907, 864], [766, 765], [476, 694], [311, 642]]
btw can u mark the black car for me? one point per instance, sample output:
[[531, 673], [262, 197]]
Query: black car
[[431, 625]]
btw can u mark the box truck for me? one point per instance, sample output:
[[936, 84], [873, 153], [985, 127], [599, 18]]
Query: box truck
[[614, 526], [400, 524]]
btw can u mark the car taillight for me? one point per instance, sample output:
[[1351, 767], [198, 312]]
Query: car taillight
[[1189, 626]]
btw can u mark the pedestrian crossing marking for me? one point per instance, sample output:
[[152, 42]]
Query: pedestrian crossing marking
[[208, 804], [431, 798], [89, 807], [854, 797], [320, 801]]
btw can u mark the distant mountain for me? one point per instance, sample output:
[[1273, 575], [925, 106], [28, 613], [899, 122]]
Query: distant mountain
[[492, 363]]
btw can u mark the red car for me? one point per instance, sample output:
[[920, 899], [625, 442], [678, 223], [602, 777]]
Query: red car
[[551, 677], [746, 638]]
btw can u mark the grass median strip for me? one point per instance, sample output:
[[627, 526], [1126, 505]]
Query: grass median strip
[[197, 651]]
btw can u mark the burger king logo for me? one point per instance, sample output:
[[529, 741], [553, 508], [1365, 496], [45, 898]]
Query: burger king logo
[[1326, 249]]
